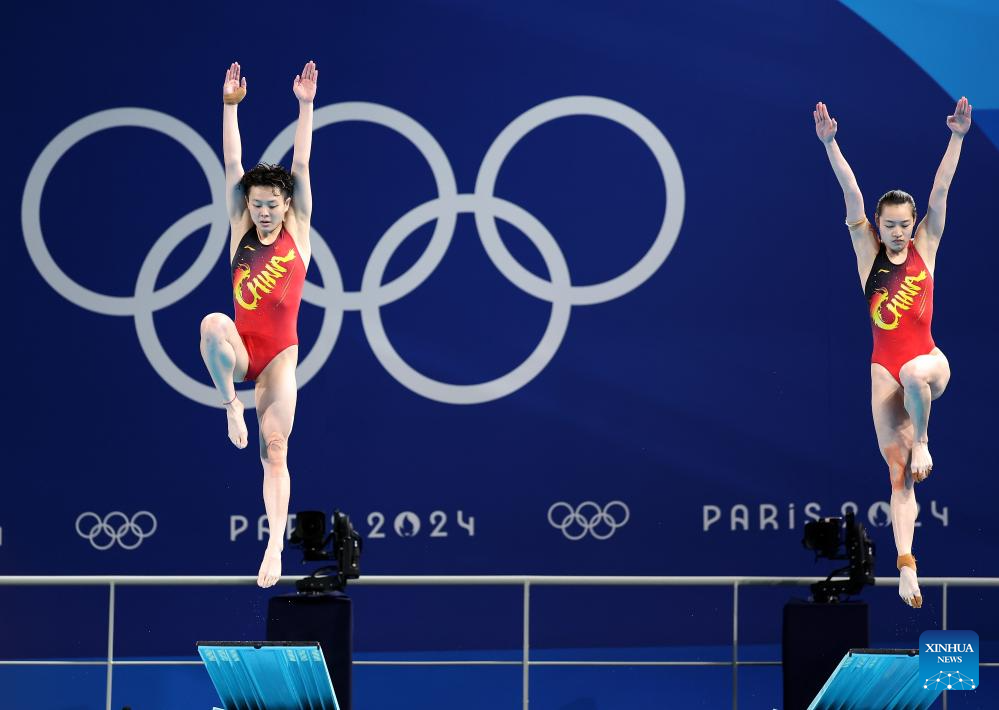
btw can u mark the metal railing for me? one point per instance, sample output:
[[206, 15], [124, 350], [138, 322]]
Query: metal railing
[[524, 581]]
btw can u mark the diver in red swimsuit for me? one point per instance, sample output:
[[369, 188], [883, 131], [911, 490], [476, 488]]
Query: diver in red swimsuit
[[269, 251], [267, 284], [895, 261], [900, 300]]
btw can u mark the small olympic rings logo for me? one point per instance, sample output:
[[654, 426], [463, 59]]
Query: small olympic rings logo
[[588, 517], [115, 527], [559, 289]]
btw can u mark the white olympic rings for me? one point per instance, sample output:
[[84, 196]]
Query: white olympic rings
[[373, 294], [103, 535], [588, 517]]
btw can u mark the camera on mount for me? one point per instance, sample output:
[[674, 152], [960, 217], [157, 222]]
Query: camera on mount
[[342, 546], [826, 538]]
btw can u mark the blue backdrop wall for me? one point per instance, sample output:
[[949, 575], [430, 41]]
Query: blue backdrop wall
[[568, 257]]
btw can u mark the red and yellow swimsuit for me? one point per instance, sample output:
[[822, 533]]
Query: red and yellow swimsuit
[[900, 303], [266, 293]]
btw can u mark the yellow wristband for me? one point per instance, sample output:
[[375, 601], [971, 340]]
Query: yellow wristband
[[235, 97], [858, 223]]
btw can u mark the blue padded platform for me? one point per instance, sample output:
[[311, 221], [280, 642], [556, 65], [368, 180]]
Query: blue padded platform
[[269, 675], [876, 678]]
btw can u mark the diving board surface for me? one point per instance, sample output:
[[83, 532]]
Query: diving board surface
[[269, 674], [876, 678]]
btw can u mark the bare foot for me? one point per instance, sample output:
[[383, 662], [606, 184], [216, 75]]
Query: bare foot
[[270, 568], [237, 427], [908, 587], [921, 462]]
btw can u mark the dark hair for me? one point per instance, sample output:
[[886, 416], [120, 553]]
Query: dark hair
[[895, 197], [264, 175]]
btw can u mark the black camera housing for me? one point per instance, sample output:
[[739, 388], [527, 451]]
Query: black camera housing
[[343, 546], [825, 538]]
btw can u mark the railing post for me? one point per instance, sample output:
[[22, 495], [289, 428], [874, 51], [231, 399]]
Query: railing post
[[943, 624], [944, 620], [527, 642], [735, 645], [110, 639]]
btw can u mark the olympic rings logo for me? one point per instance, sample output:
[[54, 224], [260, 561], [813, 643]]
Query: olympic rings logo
[[115, 527], [486, 207], [588, 517]]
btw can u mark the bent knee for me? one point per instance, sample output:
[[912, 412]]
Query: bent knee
[[214, 326], [275, 449], [932, 370], [914, 374]]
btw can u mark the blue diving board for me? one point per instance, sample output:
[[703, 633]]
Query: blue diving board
[[269, 675], [887, 679]]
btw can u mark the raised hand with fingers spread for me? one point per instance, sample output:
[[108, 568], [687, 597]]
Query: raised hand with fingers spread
[[304, 85], [825, 125], [234, 87], [960, 121]]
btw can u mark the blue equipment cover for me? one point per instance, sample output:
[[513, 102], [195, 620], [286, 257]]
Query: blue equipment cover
[[887, 679], [276, 675]]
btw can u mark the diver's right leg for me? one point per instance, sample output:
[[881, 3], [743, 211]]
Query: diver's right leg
[[226, 358], [276, 396], [894, 432]]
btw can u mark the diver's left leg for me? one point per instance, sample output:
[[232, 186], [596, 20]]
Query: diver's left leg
[[923, 378]]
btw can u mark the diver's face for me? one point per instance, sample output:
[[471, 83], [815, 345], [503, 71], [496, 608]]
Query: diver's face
[[895, 224], [267, 206]]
